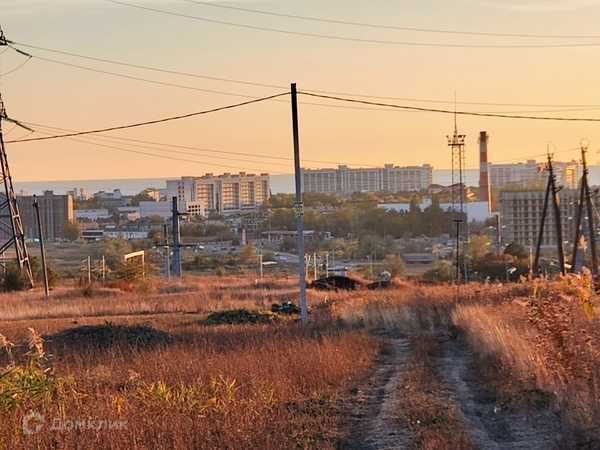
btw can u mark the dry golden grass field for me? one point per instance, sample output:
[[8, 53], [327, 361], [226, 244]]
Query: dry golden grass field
[[205, 364]]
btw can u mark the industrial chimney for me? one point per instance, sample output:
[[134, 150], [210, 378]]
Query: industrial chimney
[[484, 182]]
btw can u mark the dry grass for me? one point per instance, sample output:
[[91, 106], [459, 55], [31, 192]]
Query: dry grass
[[176, 381], [546, 345], [145, 354]]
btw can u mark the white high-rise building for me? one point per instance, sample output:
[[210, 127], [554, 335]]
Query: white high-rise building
[[225, 194], [532, 174], [389, 178]]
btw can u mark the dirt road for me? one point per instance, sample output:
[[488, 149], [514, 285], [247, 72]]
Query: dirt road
[[376, 419]]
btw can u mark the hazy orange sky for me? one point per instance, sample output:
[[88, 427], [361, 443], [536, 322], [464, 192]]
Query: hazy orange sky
[[46, 93]]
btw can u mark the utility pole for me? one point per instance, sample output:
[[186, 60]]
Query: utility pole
[[315, 266], [103, 269], [167, 251], [540, 239], [89, 270], [457, 275], [557, 218], [36, 206], [590, 213], [177, 272], [580, 203], [299, 206]]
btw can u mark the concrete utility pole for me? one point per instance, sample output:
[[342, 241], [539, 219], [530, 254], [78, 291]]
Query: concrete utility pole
[[299, 207], [36, 206], [177, 272], [167, 252]]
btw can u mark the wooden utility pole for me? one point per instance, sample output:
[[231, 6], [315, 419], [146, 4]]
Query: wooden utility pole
[[580, 203], [36, 206], [590, 214], [557, 217], [299, 207], [540, 239]]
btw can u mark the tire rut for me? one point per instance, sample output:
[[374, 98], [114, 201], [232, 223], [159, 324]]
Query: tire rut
[[490, 426], [372, 416]]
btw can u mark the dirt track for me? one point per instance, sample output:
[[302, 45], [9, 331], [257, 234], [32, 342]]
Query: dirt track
[[373, 410]]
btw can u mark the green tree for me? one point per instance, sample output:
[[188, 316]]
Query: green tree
[[479, 247], [517, 250]]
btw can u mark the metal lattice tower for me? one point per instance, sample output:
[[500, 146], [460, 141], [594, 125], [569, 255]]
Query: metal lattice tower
[[456, 142], [12, 234]]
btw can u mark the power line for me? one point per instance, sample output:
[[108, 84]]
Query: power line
[[171, 150], [151, 122], [16, 68], [389, 27], [233, 94], [272, 85], [447, 111], [145, 153], [350, 39], [145, 80], [187, 147]]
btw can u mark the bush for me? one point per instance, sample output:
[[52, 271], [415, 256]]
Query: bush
[[14, 279], [239, 316]]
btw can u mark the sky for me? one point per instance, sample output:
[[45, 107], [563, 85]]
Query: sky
[[50, 94]]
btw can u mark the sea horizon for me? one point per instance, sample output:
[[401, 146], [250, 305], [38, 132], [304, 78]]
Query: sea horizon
[[280, 184]]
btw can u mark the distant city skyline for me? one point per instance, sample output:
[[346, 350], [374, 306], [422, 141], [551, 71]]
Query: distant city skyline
[[550, 81]]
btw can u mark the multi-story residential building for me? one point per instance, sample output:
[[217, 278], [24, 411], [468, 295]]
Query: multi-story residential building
[[521, 212], [56, 211], [532, 174], [225, 194], [389, 178]]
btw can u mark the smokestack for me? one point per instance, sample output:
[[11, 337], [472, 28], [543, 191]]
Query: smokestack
[[484, 182]]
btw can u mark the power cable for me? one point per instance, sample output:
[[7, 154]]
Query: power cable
[[212, 91], [172, 158], [151, 122], [350, 39], [279, 86], [187, 147], [447, 111], [16, 68], [389, 27], [168, 148]]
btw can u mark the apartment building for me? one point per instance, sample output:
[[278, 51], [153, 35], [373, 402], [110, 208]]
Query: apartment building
[[521, 212], [532, 174], [56, 211], [389, 178], [226, 194]]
